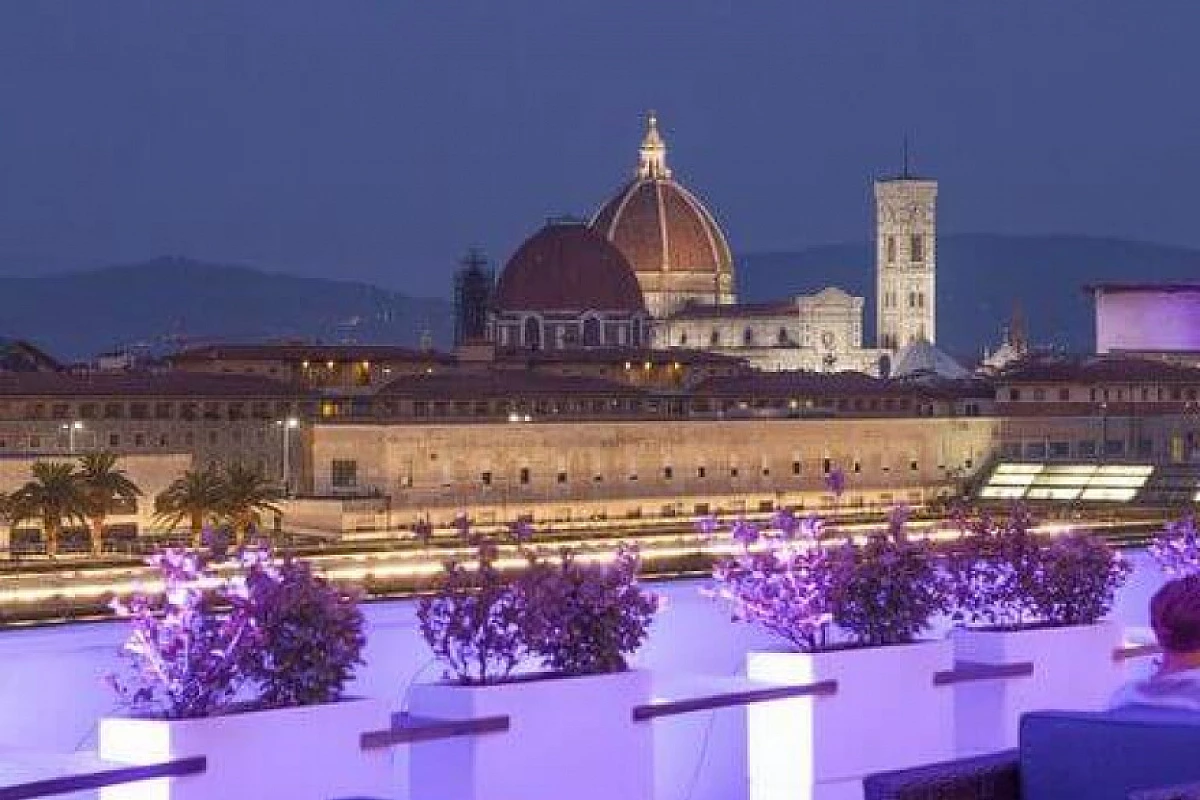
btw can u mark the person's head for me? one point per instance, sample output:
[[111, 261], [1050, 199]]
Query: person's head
[[1175, 616]]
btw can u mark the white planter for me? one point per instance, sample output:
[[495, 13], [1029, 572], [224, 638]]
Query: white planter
[[303, 753], [1073, 670], [886, 714], [568, 737]]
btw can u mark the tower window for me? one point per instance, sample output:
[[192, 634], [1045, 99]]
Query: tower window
[[920, 299], [889, 247], [912, 299], [783, 336], [918, 248], [748, 336], [714, 338]]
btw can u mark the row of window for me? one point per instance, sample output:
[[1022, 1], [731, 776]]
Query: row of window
[[1082, 448], [608, 406], [344, 472], [535, 334], [782, 338], [89, 440], [915, 299], [1064, 394], [916, 249], [187, 410]]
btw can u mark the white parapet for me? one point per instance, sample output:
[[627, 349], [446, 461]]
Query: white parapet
[[886, 714], [301, 753], [568, 737], [1073, 670]]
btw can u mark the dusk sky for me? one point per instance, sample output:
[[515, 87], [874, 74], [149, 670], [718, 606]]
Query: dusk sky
[[377, 140]]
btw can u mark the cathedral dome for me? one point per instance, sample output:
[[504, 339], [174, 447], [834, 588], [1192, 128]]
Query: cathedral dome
[[671, 240], [566, 266]]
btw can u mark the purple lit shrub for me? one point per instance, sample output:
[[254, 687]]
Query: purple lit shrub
[[780, 586], [272, 634], [1176, 548], [578, 618], [186, 648], [1077, 580], [310, 634], [1004, 576], [585, 618], [788, 582], [993, 568], [473, 623], [887, 590]]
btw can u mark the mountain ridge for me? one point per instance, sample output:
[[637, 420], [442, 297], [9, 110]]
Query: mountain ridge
[[177, 300]]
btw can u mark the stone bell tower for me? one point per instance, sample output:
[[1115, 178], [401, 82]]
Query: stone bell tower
[[905, 259]]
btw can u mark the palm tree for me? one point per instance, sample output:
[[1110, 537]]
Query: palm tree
[[195, 496], [245, 495], [104, 487], [54, 496]]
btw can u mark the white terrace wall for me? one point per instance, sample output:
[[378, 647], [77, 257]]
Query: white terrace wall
[[52, 687]]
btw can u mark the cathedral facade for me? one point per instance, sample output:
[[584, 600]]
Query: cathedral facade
[[683, 263]]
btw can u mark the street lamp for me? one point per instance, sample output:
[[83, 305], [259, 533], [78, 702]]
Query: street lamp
[[287, 426], [71, 428]]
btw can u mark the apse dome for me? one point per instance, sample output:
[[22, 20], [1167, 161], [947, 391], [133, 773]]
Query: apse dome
[[566, 266], [674, 244], [568, 287]]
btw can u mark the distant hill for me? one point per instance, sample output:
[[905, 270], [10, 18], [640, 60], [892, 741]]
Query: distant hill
[[168, 302], [980, 277]]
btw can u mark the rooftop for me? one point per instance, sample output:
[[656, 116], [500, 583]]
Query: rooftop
[[502, 383], [1099, 369], [154, 384], [306, 352]]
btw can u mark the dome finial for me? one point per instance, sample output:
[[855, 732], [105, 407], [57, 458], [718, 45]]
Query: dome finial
[[653, 163]]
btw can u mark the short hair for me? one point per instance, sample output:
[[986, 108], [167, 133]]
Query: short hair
[[1175, 615]]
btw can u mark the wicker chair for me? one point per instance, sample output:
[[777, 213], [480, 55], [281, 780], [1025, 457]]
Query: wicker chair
[[990, 777]]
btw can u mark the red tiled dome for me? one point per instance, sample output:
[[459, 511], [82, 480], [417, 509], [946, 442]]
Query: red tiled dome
[[661, 227], [566, 266]]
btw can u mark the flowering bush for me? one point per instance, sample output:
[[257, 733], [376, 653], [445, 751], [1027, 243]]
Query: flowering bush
[[473, 623], [993, 567], [886, 591], [1077, 580], [310, 634], [582, 619], [1176, 548], [277, 631], [186, 651], [1003, 575], [783, 586]]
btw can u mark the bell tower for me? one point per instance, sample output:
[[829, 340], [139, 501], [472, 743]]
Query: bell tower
[[905, 259]]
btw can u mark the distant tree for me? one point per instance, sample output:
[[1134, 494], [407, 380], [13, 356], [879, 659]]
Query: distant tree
[[195, 497], [54, 496], [245, 495], [104, 488]]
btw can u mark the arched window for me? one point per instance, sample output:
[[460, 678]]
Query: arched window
[[591, 332], [890, 247], [683, 339], [635, 334], [782, 338], [748, 337], [714, 338], [533, 333]]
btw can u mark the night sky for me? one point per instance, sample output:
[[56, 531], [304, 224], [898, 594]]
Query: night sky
[[377, 139]]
